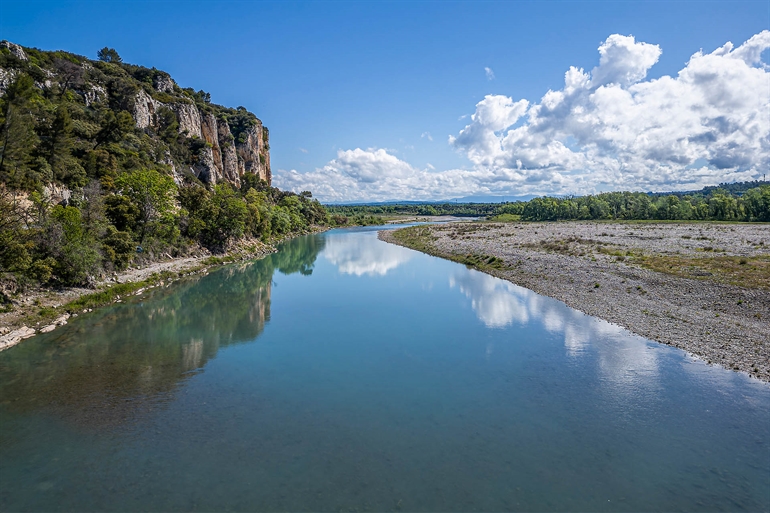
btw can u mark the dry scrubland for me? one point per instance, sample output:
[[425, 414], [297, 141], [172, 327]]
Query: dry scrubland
[[702, 287]]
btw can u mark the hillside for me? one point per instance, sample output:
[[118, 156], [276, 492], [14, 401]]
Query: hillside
[[124, 116], [105, 164]]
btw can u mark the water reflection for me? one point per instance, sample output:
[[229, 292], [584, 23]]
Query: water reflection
[[622, 358], [107, 367], [357, 254]]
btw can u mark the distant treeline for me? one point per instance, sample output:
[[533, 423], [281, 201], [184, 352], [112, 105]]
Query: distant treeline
[[716, 204], [742, 201]]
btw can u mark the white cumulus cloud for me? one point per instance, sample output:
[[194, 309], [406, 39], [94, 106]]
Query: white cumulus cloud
[[612, 129], [375, 175]]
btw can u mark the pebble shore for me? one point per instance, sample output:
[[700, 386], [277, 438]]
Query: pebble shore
[[578, 263]]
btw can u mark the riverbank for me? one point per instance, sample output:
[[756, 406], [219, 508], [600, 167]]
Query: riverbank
[[41, 310], [701, 287]]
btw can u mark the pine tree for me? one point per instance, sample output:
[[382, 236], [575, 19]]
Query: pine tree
[[17, 135]]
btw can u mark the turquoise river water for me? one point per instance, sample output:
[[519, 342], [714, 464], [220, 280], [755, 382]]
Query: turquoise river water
[[346, 374]]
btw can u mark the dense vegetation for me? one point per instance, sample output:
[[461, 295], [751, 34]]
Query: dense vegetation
[[713, 203], [84, 192]]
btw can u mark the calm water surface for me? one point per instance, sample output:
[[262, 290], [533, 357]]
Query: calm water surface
[[343, 373]]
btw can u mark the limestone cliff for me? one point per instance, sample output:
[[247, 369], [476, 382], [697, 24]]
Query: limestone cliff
[[223, 157], [214, 143]]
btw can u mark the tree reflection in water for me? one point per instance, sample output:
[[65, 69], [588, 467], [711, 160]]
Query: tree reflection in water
[[118, 363]]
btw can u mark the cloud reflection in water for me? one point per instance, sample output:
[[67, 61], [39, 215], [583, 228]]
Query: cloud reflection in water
[[622, 356], [354, 254]]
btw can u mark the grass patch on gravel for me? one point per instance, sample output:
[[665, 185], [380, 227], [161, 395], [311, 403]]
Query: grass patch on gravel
[[421, 239], [749, 272], [416, 237]]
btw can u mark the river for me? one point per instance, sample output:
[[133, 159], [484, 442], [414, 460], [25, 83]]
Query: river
[[346, 374]]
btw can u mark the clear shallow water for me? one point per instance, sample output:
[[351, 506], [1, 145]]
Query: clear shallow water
[[343, 373]]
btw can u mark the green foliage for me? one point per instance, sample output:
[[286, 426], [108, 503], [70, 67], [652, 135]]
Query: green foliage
[[17, 134], [716, 205], [73, 249], [757, 203], [224, 214], [122, 212], [240, 121], [114, 127], [14, 249], [152, 194], [109, 55], [413, 209], [118, 248]]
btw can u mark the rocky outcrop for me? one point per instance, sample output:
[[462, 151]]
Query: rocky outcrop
[[94, 94], [230, 169], [189, 119], [6, 77], [222, 158], [211, 153], [163, 83], [254, 155], [15, 49], [14, 337], [145, 110]]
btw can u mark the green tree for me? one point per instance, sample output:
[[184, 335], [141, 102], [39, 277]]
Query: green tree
[[68, 243], [151, 193], [121, 212], [109, 55], [114, 127], [757, 202], [225, 217], [17, 135], [14, 247], [118, 248]]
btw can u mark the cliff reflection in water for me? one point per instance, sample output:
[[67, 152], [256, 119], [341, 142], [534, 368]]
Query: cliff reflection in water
[[112, 365]]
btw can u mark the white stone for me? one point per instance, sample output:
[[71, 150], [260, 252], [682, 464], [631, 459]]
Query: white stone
[[16, 336]]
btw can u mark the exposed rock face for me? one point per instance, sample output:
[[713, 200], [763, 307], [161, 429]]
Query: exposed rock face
[[6, 77], [145, 110], [230, 168], [57, 194], [94, 94], [163, 83], [222, 158], [212, 152], [15, 49], [189, 119], [253, 155]]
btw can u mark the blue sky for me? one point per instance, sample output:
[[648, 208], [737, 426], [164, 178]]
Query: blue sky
[[361, 98]]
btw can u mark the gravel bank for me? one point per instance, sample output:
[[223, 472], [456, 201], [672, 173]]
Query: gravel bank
[[611, 271]]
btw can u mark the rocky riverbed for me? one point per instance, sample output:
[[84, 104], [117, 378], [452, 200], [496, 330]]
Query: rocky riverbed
[[701, 287]]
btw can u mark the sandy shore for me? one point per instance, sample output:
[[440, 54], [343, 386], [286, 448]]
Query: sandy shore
[[701, 287]]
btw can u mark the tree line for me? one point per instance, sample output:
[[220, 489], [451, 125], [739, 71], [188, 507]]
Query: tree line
[[714, 204]]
